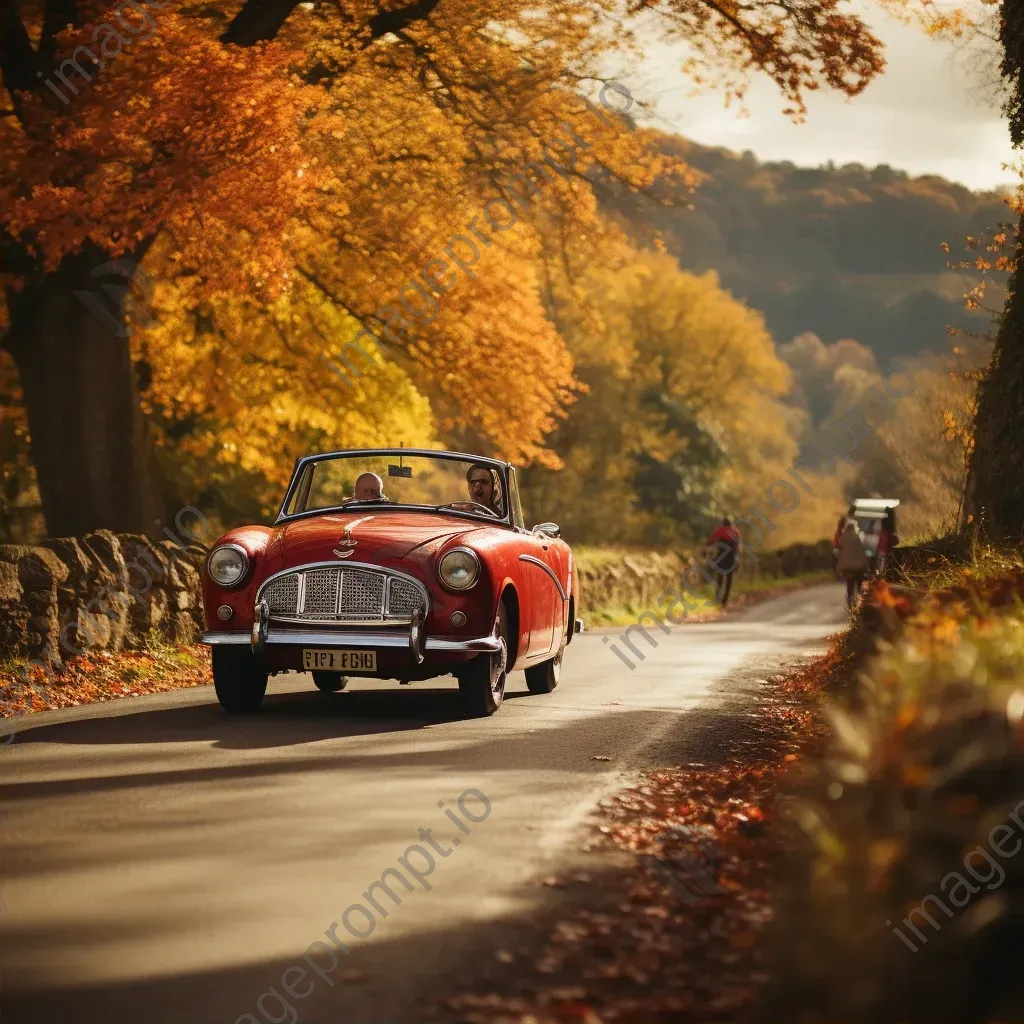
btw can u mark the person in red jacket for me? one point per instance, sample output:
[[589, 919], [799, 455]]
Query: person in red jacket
[[887, 540], [722, 555]]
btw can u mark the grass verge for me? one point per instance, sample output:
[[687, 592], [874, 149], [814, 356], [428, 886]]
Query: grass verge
[[744, 594]]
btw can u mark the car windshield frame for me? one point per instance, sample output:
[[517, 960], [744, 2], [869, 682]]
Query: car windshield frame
[[501, 468]]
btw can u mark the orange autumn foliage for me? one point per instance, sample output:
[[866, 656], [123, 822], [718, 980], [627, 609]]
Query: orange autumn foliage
[[283, 187]]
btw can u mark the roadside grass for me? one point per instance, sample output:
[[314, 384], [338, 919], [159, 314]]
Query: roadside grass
[[744, 593], [941, 572], [597, 557]]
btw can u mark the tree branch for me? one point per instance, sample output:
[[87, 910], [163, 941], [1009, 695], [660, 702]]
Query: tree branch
[[19, 62], [260, 20]]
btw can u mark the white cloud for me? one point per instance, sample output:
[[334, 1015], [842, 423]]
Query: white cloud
[[933, 111]]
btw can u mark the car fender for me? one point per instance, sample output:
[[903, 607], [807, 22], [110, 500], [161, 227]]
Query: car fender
[[241, 599]]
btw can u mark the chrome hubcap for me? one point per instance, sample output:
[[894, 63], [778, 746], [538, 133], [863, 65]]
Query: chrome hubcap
[[498, 662]]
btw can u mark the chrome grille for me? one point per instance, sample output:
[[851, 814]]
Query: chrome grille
[[343, 594], [282, 596], [362, 593], [321, 594], [403, 598]]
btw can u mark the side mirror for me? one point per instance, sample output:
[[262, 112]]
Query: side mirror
[[548, 530]]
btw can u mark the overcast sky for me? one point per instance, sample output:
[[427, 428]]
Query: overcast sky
[[926, 114]]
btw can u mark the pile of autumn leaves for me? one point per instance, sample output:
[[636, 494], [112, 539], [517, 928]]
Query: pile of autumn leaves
[[924, 765], [668, 926], [98, 676]]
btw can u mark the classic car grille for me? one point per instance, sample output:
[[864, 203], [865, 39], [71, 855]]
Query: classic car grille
[[362, 593], [404, 597], [283, 594], [321, 593], [342, 594]]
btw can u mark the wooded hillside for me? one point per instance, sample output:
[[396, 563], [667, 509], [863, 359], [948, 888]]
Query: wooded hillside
[[843, 252]]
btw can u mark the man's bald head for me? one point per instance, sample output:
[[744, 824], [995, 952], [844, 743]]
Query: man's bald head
[[369, 487]]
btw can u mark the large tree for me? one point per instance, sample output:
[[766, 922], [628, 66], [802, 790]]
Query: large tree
[[282, 154], [995, 488]]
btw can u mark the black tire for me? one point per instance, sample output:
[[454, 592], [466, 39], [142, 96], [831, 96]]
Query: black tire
[[239, 679], [543, 678], [482, 681], [329, 682]]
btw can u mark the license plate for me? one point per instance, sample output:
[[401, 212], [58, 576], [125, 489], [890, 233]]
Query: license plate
[[340, 661]]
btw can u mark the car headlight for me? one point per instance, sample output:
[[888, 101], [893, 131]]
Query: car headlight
[[227, 565], [459, 569]]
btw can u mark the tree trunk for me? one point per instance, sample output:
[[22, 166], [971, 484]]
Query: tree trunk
[[995, 488], [90, 444]]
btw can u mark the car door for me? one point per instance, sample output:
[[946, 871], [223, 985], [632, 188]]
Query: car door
[[541, 588]]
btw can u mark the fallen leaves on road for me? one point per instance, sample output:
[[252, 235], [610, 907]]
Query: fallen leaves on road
[[674, 935]]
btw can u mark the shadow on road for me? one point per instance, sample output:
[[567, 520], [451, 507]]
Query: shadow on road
[[392, 981]]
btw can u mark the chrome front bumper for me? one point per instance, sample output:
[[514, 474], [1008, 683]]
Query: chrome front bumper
[[277, 637]]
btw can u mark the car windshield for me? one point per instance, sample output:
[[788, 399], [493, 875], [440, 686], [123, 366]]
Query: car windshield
[[401, 480]]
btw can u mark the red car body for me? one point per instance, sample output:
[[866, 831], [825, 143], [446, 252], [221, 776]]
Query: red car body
[[380, 559]]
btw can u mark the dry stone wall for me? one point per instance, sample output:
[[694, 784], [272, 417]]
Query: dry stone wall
[[103, 591], [635, 580], [108, 591]]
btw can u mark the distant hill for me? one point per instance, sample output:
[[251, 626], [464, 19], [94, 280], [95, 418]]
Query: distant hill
[[843, 252]]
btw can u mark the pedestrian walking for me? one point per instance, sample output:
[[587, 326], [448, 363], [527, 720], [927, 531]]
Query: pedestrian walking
[[850, 517], [723, 556], [853, 563]]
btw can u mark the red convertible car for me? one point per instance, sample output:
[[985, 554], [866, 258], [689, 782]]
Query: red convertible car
[[391, 564]]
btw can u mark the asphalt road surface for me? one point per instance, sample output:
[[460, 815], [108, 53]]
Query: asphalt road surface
[[163, 863]]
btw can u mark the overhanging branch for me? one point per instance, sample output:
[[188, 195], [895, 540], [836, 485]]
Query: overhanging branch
[[260, 20]]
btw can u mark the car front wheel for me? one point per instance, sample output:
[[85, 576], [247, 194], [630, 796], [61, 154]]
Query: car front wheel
[[330, 682], [543, 678], [482, 681], [239, 679]]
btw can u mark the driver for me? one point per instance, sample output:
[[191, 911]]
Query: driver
[[482, 488], [369, 487]]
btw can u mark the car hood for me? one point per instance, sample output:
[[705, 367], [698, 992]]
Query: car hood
[[384, 538]]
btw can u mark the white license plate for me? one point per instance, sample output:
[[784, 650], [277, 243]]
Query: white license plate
[[340, 661]]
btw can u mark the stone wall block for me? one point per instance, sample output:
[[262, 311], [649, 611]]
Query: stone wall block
[[40, 574], [10, 585], [150, 589], [80, 625], [111, 600], [182, 628]]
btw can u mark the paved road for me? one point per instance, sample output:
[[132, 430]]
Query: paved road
[[165, 864]]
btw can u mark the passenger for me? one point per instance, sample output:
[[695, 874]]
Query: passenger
[[369, 487], [482, 488]]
